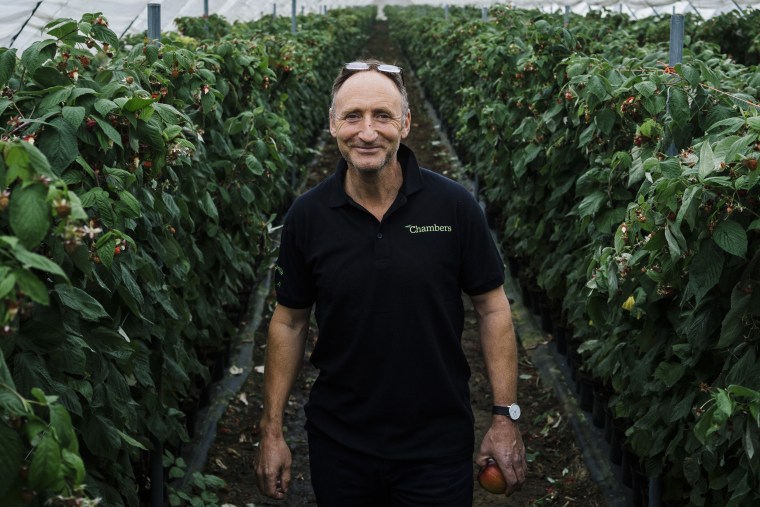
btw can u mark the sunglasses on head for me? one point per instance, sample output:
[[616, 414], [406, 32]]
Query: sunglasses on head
[[380, 67]]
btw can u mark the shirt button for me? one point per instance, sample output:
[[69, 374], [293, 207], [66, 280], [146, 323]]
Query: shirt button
[[379, 235]]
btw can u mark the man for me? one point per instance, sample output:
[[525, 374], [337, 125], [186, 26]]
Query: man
[[385, 249]]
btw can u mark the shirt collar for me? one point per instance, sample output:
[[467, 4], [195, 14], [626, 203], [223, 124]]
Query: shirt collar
[[409, 168]]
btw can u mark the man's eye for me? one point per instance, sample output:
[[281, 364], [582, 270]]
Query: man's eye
[[352, 117], [383, 117]]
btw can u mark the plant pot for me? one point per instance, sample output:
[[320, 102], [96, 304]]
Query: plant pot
[[586, 392], [608, 424], [560, 338], [600, 404], [546, 317], [514, 266], [639, 486], [628, 462], [536, 298], [616, 442]]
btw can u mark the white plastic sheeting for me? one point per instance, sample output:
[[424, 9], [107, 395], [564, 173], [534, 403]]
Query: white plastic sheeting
[[22, 21]]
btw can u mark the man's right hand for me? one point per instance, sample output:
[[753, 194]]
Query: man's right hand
[[273, 466]]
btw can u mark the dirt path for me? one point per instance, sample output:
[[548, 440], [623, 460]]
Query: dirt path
[[557, 475]]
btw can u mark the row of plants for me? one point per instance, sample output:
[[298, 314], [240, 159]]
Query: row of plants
[[139, 186], [732, 31], [627, 191]]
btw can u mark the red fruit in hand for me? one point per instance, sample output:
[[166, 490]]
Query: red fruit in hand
[[491, 479]]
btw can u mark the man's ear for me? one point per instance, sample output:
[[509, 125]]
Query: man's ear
[[333, 127], [407, 124]]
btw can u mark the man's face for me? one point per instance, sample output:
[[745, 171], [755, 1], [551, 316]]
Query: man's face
[[368, 121]]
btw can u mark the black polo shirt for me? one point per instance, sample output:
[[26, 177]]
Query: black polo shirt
[[393, 379]]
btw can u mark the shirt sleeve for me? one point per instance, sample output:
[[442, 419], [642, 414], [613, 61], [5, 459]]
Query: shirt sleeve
[[482, 267], [294, 283]]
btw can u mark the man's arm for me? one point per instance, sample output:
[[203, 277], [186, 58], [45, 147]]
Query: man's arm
[[286, 344], [502, 442]]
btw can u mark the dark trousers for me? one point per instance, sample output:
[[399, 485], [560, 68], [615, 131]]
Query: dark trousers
[[342, 477]]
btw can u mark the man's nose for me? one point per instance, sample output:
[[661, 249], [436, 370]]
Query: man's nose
[[367, 131]]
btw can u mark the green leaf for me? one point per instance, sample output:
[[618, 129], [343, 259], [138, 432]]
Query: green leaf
[[131, 441], [74, 466], [707, 163], [37, 161], [733, 323], [60, 421], [30, 214], [592, 203], [59, 144], [7, 66], [74, 115], [32, 260], [605, 120], [137, 103], [105, 106], [646, 88], [208, 207], [749, 439], [11, 457], [678, 104], [723, 403], [101, 436], [7, 282], [37, 54], [131, 203], [669, 373], [105, 34], [731, 237], [55, 97], [704, 270], [78, 300], [45, 471], [109, 131], [32, 286]]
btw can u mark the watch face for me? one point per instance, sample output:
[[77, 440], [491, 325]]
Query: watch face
[[514, 411]]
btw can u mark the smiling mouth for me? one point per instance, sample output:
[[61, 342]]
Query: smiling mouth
[[366, 149]]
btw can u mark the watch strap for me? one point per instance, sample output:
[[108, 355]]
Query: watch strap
[[499, 410]]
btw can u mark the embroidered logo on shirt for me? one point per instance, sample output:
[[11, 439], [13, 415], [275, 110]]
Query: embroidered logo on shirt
[[415, 229]]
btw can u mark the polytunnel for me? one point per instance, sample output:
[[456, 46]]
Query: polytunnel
[[21, 22], [592, 165]]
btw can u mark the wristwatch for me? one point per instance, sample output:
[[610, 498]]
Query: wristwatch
[[512, 411]]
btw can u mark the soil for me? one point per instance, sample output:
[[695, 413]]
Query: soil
[[557, 475]]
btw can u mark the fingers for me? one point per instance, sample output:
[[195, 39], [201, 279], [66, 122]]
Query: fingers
[[273, 480], [514, 470], [271, 483]]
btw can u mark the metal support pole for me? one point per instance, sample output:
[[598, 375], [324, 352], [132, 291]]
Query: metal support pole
[[274, 11], [675, 56], [154, 22], [293, 17], [676, 39], [653, 9], [484, 13], [631, 11], [205, 8], [566, 16], [446, 11]]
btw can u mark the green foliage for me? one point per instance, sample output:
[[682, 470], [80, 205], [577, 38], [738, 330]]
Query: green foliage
[[139, 188], [569, 129]]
